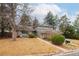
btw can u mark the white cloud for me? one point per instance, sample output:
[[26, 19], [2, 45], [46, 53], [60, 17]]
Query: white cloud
[[73, 18], [76, 13], [64, 13], [44, 8], [41, 10]]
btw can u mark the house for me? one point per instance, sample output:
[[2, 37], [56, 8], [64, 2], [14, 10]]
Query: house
[[23, 31], [43, 31]]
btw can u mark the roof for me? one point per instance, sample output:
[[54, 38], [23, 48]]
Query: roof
[[42, 29], [26, 28]]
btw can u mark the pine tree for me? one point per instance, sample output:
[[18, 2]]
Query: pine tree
[[64, 22], [51, 20]]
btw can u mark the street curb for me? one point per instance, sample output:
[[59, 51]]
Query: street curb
[[66, 53]]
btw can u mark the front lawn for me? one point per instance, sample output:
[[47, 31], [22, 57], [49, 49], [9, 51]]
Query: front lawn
[[25, 46]]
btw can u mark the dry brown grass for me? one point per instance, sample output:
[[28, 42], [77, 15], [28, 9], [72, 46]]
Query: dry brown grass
[[25, 46], [74, 44], [69, 46]]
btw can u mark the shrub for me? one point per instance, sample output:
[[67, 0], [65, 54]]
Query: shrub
[[57, 39], [31, 35], [69, 32], [76, 35], [34, 32]]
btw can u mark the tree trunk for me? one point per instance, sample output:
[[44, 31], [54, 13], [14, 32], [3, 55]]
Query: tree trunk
[[2, 32], [2, 27], [14, 34]]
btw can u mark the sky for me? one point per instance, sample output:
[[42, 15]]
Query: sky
[[41, 10], [71, 8]]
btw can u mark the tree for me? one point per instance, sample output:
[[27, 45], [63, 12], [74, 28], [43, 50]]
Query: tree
[[64, 22], [1, 19], [26, 18], [4, 23], [51, 20], [8, 12], [69, 32], [76, 26], [35, 23], [11, 18], [76, 23]]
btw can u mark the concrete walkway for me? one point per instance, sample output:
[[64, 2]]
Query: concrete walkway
[[64, 50]]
